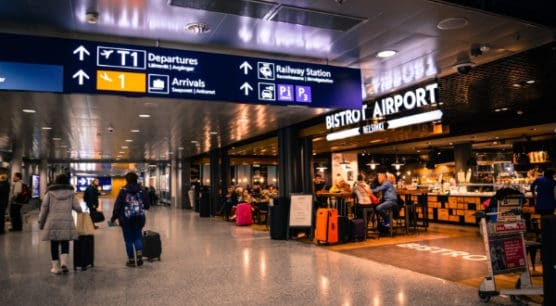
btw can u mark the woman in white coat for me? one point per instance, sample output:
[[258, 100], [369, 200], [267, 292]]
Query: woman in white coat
[[56, 221]]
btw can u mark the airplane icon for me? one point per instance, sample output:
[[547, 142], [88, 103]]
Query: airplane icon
[[105, 77], [106, 53]]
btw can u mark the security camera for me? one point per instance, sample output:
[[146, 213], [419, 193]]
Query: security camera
[[464, 68], [110, 129]]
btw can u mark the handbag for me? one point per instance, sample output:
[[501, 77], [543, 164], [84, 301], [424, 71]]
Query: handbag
[[97, 216], [84, 224]]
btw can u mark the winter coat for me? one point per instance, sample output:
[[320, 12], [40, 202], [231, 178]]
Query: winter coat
[[55, 219], [119, 206]]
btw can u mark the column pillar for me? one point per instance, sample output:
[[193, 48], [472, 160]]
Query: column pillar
[[289, 162]]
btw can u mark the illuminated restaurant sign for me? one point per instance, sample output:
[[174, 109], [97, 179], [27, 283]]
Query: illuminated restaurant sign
[[376, 112], [78, 66]]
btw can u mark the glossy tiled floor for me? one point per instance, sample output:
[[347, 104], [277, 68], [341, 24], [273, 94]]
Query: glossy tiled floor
[[206, 261]]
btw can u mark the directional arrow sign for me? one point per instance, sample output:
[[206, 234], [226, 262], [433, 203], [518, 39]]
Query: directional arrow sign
[[80, 75], [246, 67], [81, 51], [246, 88]]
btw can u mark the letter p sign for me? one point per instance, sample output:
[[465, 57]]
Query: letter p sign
[[303, 94]]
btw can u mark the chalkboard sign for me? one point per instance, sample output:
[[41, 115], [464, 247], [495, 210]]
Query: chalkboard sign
[[301, 210]]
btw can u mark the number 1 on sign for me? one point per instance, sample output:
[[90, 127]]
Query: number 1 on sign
[[122, 80]]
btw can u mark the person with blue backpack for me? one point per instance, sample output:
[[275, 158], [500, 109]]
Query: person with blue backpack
[[129, 213]]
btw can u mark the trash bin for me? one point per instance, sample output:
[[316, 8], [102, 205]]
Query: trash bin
[[279, 218]]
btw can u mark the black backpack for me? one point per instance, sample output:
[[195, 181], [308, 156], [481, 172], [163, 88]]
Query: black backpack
[[25, 195]]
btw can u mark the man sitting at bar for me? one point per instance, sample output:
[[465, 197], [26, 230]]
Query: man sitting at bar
[[389, 196]]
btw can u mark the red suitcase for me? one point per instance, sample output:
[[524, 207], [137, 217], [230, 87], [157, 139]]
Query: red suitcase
[[244, 215], [326, 230]]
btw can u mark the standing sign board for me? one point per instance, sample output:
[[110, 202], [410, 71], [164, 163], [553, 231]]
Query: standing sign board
[[301, 212], [77, 66]]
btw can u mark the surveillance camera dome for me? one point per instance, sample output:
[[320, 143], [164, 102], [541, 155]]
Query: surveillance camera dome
[[464, 68]]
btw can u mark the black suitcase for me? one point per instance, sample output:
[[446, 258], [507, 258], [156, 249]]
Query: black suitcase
[[359, 229], [84, 252], [152, 245], [344, 229]]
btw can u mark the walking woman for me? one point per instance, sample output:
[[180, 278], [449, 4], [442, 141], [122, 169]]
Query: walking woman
[[56, 221]]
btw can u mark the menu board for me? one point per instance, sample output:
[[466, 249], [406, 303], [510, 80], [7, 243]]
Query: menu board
[[301, 210]]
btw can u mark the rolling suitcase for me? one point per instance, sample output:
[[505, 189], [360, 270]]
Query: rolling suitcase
[[244, 215], [358, 229], [152, 245], [326, 230], [84, 252], [344, 229]]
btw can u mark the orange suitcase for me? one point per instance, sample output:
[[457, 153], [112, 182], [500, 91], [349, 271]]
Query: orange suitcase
[[326, 230]]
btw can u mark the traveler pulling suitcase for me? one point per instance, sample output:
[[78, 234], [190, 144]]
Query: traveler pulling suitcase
[[244, 215], [84, 252], [326, 230], [152, 245]]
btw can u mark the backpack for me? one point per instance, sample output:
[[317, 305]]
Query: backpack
[[134, 205], [25, 195]]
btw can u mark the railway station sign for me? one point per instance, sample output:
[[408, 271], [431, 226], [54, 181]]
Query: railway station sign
[[77, 66]]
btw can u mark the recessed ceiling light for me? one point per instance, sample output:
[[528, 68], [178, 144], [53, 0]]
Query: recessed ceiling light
[[91, 17], [386, 53], [129, 140], [197, 28], [453, 23], [56, 138], [181, 148], [214, 133], [516, 85], [125, 147], [530, 82], [46, 128], [194, 141], [29, 110], [135, 131], [144, 116]]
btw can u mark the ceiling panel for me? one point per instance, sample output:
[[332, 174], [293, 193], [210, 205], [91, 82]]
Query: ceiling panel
[[306, 30]]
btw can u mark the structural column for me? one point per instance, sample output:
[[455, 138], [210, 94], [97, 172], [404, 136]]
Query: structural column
[[289, 162], [214, 181]]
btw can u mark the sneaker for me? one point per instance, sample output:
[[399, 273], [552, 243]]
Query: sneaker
[[130, 263]]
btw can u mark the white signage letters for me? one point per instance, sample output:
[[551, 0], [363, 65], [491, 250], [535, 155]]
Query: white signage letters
[[409, 100]]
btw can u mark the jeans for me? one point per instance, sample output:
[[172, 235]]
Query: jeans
[[381, 209], [54, 248], [132, 236]]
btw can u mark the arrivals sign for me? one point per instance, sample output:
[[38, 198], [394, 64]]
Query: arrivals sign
[[77, 66]]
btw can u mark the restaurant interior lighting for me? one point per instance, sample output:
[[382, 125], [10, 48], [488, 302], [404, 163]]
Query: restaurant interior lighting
[[372, 164], [397, 164]]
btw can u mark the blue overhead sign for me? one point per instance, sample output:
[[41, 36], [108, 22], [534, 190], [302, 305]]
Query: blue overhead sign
[[31, 77], [105, 68]]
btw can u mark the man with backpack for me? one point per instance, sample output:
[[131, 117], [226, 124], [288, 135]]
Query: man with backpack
[[129, 213]]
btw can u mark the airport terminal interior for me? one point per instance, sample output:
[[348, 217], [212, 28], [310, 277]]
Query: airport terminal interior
[[453, 98]]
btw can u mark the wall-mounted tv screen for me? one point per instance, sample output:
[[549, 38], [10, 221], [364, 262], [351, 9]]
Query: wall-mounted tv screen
[[35, 186]]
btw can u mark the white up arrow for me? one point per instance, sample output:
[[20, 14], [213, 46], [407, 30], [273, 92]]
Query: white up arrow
[[246, 88], [82, 51], [81, 75], [246, 67]]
